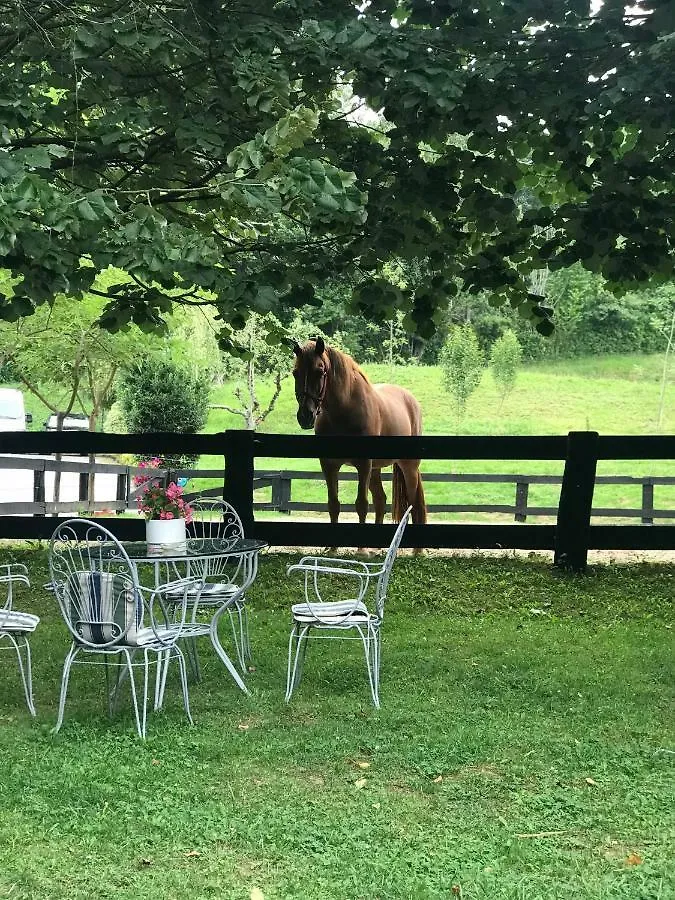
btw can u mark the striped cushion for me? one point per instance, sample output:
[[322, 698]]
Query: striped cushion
[[215, 588], [11, 620], [104, 607], [341, 609]]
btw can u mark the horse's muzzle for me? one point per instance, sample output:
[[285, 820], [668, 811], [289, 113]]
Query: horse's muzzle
[[306, 419]]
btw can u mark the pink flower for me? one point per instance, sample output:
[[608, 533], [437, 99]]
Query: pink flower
[[168, 515]]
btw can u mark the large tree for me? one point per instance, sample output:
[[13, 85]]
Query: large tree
[[207, 149]]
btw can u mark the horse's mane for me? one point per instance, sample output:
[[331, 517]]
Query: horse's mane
[[343, 367]]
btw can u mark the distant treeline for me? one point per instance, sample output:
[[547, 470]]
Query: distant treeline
[[588, 320]]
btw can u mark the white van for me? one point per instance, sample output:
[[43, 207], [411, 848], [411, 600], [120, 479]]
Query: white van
[[13, 416]]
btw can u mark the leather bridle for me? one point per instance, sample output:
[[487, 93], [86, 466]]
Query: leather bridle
[[302, 396]]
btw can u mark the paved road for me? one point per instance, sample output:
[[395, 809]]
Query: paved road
[[16, 485]]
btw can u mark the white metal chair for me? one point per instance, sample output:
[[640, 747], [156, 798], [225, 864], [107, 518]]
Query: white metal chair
[[113, 617], [15, 626], [217, 523], [340, 617]]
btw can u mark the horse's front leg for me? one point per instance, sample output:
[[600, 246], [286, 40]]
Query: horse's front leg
[[378, 495], [364, 468], [331, 469]]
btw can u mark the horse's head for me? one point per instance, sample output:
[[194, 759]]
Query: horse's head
[[311, 380]]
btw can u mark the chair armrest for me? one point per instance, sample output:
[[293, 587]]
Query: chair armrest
[[321, 568], [10, 568], [16, 572], [179, 583], [333, 561]]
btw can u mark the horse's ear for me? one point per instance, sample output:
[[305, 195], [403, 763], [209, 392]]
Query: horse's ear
[[297, 349], [320, 346]]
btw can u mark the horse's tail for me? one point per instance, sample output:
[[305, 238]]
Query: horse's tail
[[400, 501]]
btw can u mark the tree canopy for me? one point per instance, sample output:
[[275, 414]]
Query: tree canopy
[[225, 152]]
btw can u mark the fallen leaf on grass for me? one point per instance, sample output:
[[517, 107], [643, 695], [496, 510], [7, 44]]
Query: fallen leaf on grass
[[362, 764], [256, 894], [192, 854], [457, 890], [360, 783], [243, 726], [251, 668], [591, 782], [156, 762], [438, 779], [633, 859]]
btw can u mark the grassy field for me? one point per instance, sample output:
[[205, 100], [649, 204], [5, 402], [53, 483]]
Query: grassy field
[[612, 395], [524, 751]]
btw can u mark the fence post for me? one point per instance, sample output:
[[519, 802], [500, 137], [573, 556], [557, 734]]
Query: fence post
[[238, 479], [121, 494], [83, 491], [39, 495], [522, 490], [281, 493], [647, 502], [576, 501]]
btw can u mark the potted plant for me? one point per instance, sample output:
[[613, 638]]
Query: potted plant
[[166, 512]]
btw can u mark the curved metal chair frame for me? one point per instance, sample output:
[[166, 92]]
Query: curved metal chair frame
[[15, 627], [337, 618], [216, 522], [106, 610]]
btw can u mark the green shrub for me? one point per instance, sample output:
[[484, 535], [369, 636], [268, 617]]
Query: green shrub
[[462, 363], [505, 358], [160, 395]]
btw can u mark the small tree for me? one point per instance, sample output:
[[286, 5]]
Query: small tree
[[505, 358], [260, 359], [263, 357], [160, 395], [462, 364]]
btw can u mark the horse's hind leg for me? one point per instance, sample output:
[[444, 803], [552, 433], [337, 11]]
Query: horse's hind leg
[[378, 495], [415, 492]]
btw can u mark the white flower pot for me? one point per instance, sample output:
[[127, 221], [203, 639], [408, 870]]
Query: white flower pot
[[165, 537]]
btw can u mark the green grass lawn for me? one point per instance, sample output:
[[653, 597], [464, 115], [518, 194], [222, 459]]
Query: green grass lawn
[[524, 750]]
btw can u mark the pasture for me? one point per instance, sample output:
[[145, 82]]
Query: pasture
[[524, 751], [612, 395]]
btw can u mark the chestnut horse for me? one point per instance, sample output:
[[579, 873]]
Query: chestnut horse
[[336, 397]]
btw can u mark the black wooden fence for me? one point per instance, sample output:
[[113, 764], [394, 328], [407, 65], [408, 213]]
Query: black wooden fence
[[570, 538], [279, 482]]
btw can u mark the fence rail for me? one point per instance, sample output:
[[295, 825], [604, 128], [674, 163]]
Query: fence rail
[[570, 538], [281, 482]]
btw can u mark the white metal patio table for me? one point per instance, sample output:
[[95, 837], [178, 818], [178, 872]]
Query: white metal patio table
[[201, 556]]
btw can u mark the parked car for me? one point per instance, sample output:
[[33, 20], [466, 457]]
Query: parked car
[[72, 422], [13, 415]]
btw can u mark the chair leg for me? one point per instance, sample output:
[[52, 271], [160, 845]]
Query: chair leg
[[237, 637], [140, 726], [184, 684], [371, 653], [162, 663], [193, 658], [292, 679], [376, 667], [146, 684], [67, 663], [25, 671], [246, 637]]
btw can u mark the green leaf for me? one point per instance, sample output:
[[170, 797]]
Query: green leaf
[[85, 209]]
